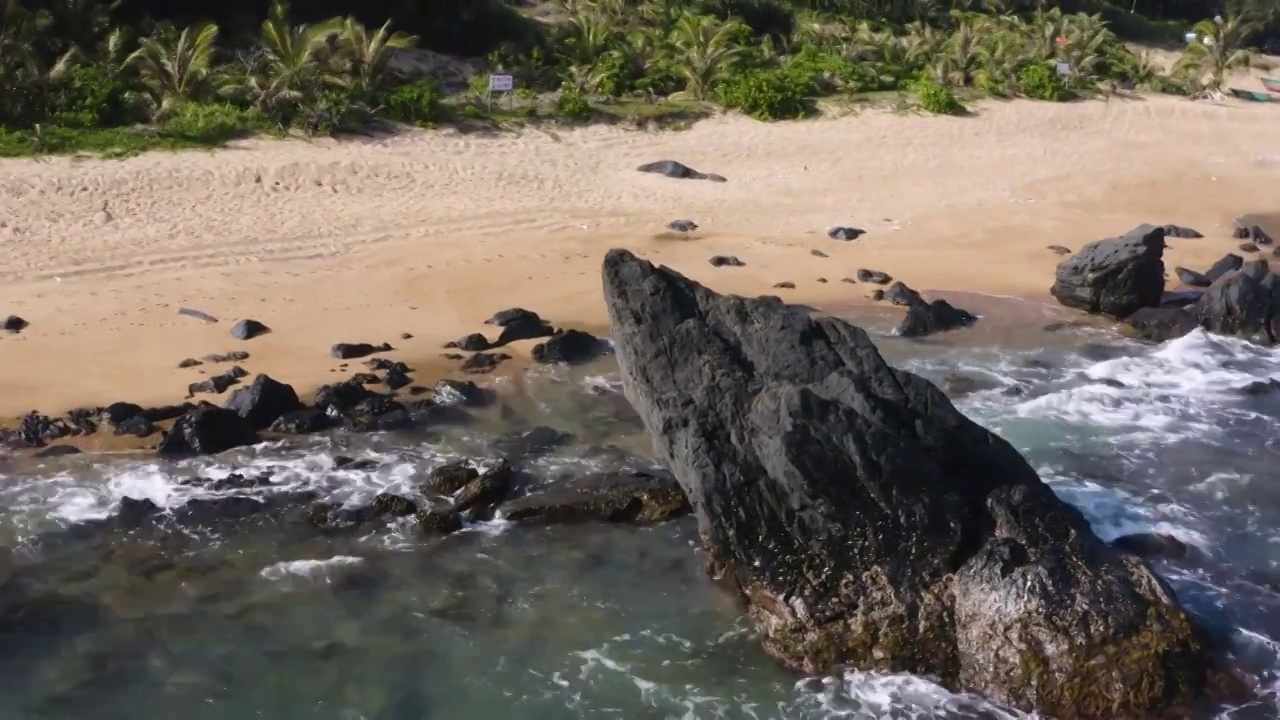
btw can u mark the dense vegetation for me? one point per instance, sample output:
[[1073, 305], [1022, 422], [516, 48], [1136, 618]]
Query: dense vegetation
[[81, 73]]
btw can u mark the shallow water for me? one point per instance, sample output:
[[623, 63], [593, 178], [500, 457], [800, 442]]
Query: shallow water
[[262, 620]]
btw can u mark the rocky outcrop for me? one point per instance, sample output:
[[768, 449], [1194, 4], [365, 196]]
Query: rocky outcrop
[[864, 520], [1115, 277]]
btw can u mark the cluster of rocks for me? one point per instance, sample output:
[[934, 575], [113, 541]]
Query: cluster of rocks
[[863, 520], [267, 405], [569, 347], [452, 496], [922, 318], [1124, 278]]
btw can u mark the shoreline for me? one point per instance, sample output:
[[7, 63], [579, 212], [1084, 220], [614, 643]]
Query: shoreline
[[431, 233]]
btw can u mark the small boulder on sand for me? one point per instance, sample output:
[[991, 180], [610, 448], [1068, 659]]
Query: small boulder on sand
[[1115, 277]]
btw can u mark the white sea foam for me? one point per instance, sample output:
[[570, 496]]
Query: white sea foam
[[318, 570], [1182, 388]]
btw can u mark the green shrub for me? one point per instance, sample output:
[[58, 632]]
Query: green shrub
[[777, 94], [662, 78], [1039, 81], [90, 96], [573, 106], [210, 123], [415, 103], [937, 99], [613, 75], [335, 112], [829, 71]]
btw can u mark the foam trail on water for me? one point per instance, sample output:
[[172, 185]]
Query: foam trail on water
[[320, 570], [1184, 388]]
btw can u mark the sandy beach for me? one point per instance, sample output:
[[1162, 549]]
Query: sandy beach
[[429, 233]]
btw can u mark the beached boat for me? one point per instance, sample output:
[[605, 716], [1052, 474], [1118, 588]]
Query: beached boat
[[1253, 95], [1271, 84]]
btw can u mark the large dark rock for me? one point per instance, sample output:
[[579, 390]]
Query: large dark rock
[[926, 318], [635, 498], [248, 329], [1245, 303], [264, 401], [571, 347], [1229, 263], [1114, 277], [864, 520], [207, 429]]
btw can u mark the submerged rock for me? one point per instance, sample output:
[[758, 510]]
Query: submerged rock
[[1115, 277], [635, 498], [1159, 324], [865, 521]]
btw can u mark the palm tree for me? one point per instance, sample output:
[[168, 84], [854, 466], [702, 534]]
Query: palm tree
[[364, 58], [1217, 50], [589, 38], [174, 67], [1086, 46], [288, 67], [707, 47]]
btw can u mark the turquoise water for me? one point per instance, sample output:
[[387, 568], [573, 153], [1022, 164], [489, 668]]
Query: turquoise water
[[260, 619]]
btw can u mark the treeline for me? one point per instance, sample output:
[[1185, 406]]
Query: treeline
[[70, 68]]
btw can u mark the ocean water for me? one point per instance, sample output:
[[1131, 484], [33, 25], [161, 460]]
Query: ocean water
[[258, 620]]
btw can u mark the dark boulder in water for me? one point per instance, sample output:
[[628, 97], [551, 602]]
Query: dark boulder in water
[[1115, 277], [865, 521], [634, 498], [451, 477], [923, 317], [467, 394], [1245, 304], [264, 401], [207, 429], [571, 347], [928, 318]]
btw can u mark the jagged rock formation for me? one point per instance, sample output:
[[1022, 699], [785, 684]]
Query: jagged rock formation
[[864, 520]]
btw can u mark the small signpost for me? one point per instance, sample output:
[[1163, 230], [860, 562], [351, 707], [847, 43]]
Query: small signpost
[[499, 84], [1064, 69]]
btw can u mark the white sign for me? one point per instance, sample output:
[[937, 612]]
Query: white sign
[[501, 83], [1064, 69]]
